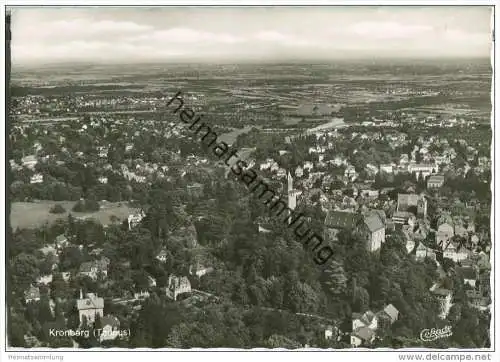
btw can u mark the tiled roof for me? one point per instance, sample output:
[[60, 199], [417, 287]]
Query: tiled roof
[[341, 220], [436, 178], [374, 223], [91, 302], [110, 320], [364, 333], [392, 312]]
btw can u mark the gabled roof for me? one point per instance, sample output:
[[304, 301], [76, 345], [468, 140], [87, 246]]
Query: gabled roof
[[61, 238], [341, 220], [436, 178], [91, 302], [365, 333], [32, 293], [110, 320], [392, 312], [374, 223]]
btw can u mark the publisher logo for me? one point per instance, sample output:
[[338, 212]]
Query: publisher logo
[[428, 335]]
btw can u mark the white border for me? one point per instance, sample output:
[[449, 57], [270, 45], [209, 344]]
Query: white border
[[217, 354]]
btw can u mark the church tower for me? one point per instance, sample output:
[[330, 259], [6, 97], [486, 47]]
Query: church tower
[[292, 195]]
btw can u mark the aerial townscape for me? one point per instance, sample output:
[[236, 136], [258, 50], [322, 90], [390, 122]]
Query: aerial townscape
[[122, 222]]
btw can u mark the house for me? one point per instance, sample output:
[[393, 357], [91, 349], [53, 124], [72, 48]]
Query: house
[[403, 218], [387, 168], [89, 307], [435, 182], [335, 221], [31, 341], [329, 332], [143, 294], [93, 269], [61, 242], [387, 316], [29, 161], [151, 281], [444, 234], [350, 172], [422, 170], [134, 219], [444, 297], [477, 299], [36, 178], [392, 312], [44, 279], [110, 328], [176, 286], [363, 335], [370, 194], [368, 319], [409, 202], [32, 294], [162, 256], [103, 180], [374, 231], [423, 252], [468, 274], [455, 252], [199, 270]]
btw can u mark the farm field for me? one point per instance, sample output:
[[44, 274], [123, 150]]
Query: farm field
[[35, 214]]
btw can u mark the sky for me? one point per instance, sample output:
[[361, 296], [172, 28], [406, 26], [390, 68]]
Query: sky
[[231, 34]]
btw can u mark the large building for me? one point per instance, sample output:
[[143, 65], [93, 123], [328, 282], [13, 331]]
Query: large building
[[177, 285], [435, 182], [90, 307], [371, 226], [373, 229], [422, 170], [292, 194], [409, 202]]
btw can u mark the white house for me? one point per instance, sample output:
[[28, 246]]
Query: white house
[[36, 178]]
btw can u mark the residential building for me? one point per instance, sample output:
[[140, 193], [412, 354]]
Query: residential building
[[444, 297], [36, 178], [32, 294], [409, 202], [435, 182], [374, 231], [469, 275], [200, 270], [423, 252], [134, 219], [422, 170], [61, 242], [110, 328], [455, 252], [162, 256], [176, 286], [336, 221], [96, 268], [363, 335], [444, 234], [89, 307], [29, 161]]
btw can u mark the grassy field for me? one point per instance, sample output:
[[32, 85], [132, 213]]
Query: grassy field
[[34, 214]]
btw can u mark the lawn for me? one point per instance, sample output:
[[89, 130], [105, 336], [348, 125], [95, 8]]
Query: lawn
[[35, 214]]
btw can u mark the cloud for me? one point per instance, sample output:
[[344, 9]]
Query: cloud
[[185, 36], [134, 34], [389, 30]]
